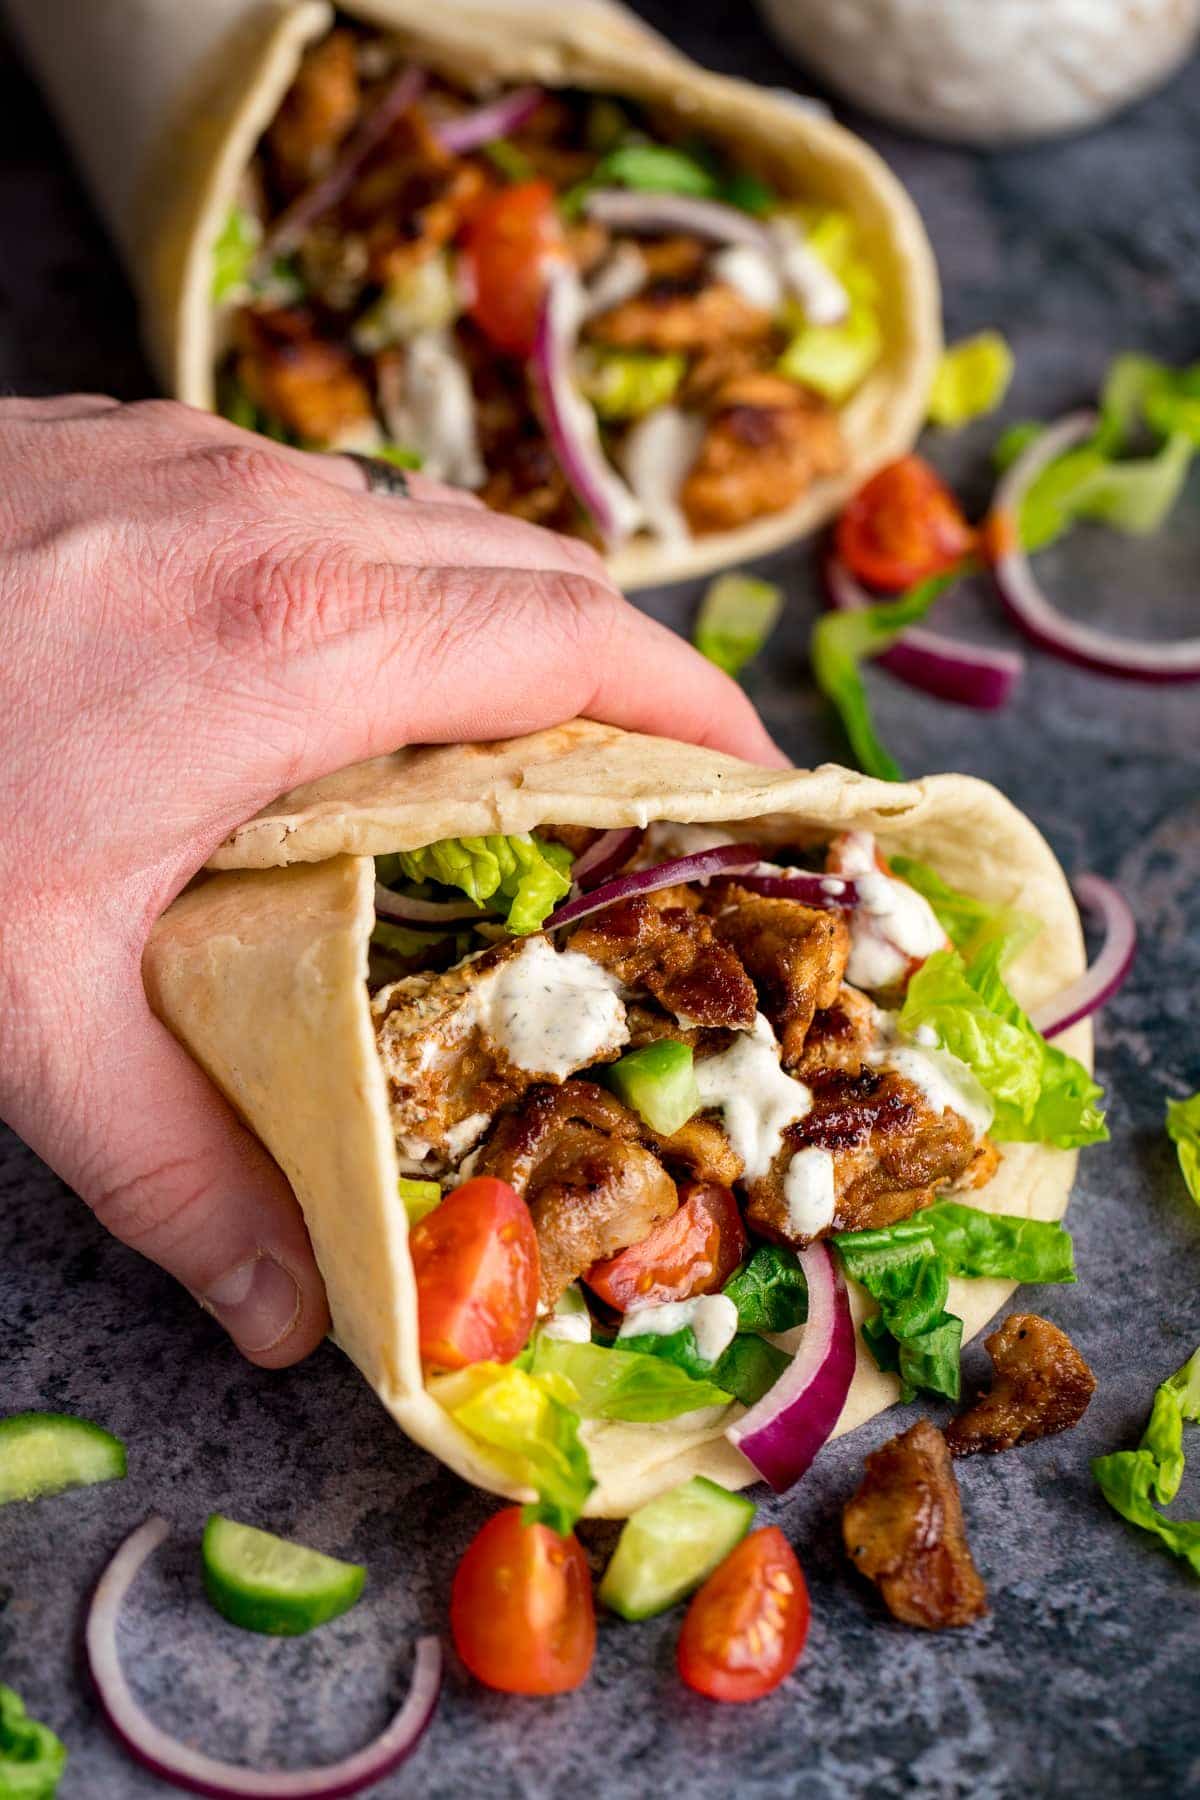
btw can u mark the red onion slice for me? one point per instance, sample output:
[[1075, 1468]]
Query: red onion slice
[[487, 123], [724, 859], [1099, 982], [610, 852], [569, 421], [626, 209], [1027, 603], [947, 668], [783, 1432], [834, 893], [185, 1767], [295, 219], [425, 912]]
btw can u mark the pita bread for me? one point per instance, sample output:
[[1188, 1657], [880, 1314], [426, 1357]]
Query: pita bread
[[260, 969], [167, 136]]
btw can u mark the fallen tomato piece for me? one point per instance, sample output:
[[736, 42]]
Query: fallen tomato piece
[[521, 1608], [745, 1629], [902, 527]]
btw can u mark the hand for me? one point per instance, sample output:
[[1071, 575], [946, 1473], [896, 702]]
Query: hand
[[191, 621]]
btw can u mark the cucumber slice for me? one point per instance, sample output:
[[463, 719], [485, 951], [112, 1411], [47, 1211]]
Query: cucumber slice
[[658, 1082], [264, 1583], [672, 1544], [45, 1453]]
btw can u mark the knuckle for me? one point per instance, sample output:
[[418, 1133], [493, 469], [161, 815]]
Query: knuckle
[[148, 1206], [283, 601], [255, 473]]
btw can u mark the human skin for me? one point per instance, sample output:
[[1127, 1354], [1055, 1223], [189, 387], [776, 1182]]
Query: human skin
[[193, 620]]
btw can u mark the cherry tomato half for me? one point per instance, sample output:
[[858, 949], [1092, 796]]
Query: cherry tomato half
[[903, 526], [521, 1609], [511, 240], [695, 1251], [745, 1629], [475, 1258]]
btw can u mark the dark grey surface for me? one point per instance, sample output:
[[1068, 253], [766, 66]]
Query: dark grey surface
[[1084, 1679]]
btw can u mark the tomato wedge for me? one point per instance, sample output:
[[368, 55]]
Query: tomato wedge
[[521, 1609], [903, 526], [511, 241], [475, 1258], [745, 1629], [695, 1251]]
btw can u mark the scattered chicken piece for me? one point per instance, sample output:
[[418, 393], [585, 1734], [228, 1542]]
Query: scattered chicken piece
[[676, 314], [1042, 1386], [572, 1153], [840, 1035], [795, 955], [305, 383], [320, 107], [904, 1530], [767, 441], [672, 953]]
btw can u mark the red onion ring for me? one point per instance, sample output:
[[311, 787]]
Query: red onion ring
[[425, 912], [610, 852], [947, 668], [184, 1767], [783, 1432], [626, 209], [1028, 605], [724, 859], [833, 893], [295, 219], [487, 123], [1101, 980]]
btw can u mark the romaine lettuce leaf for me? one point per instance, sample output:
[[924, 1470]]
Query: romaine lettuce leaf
[[620, 1383], [900, 1268], [737, 615], [968, 923], [530, 1429], [980, 1244], [1041, 1094], [1131, 1480], [1183, 1128], [234, 252], [746, 1369], [32, 1758], [835, 359], [971, 379], [931, 1359], [627, 384], [531, 873], [769, 1291]]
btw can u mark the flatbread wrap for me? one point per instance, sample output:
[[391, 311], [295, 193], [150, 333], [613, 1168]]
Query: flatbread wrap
[[721, 317], [374, 972]]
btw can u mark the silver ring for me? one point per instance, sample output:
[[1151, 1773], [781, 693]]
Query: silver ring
[[383, 477]]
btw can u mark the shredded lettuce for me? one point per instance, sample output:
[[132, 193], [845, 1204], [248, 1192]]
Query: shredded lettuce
[[1131, 1480], [746, 1369], [530, 873], [628, 384], [419, 1197], [629, 1384], [528, 1424], [424, 297], [834, 360], [842, 641], [980, 1244], [972, 379], [509, 160], [234, 252], [1183, 1129], [737, 615], [32, 1758], [657, 169], [399, 455], [968, 923], [769, 1291], [1041, 1094]]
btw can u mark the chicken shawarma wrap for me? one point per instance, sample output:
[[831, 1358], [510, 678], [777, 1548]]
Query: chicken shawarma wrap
[[529, 248], [638, 1099]]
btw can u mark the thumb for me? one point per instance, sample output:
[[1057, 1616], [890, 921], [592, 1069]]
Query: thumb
[[169, 1169]]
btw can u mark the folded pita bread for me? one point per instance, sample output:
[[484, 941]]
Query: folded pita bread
[[164, 103], [260, 969]]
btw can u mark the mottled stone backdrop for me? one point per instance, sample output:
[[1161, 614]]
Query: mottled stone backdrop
[[1084, 1679]]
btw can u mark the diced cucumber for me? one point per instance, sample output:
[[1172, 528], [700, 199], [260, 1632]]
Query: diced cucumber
[[264, 1583], [419, 1197], [672, 1544], [45, 1453], [658, 1082]]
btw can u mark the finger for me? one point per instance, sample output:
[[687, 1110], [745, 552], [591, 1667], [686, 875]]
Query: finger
[[349, 472], [184, 1183], [55, 408]]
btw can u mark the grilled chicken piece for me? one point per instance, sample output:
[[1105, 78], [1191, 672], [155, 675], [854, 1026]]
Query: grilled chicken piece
[[712, 369], [307, 384], [795, 955], [647, 1024], [702, 1147], [904, 1530], [412, 198], [573, 1154], [320, 107], [891, 1153], [840, 1036], [1042, 1386], [767, 441], [681, 313], [671, 953]]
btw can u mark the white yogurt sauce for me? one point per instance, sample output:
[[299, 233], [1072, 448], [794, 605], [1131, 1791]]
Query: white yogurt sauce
[[891, 925], [551, 1012], [809, 1191], [713, 1318], [758, 1099], [944, 1081], [750, 273], [663, 840]]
